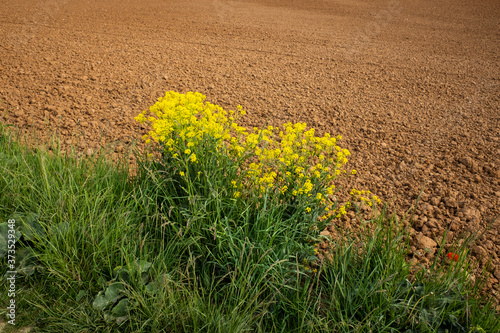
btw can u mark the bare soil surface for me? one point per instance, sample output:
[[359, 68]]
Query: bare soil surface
[[412, 86]]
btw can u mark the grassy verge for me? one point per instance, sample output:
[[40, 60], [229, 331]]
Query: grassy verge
[[175, 250]]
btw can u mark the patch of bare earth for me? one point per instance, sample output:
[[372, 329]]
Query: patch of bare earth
[[412, 86]]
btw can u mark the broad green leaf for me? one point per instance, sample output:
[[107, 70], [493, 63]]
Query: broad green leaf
[[121, 309], [114, 292], [121, 273], [100, 301], [144, 266]]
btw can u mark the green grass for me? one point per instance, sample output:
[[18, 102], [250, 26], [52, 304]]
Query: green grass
[[100, 250]]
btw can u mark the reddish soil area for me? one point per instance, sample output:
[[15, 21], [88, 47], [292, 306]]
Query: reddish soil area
[[412, 86]]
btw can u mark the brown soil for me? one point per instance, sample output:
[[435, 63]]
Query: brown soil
[[412, 86]]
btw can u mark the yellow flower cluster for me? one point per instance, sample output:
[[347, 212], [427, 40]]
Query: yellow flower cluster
[[307, 265], [282, 159], [363, 197], [181, 122], [290, 161]]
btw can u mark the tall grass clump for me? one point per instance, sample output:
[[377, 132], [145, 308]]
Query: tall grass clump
[[217, 231], [70, 218]]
